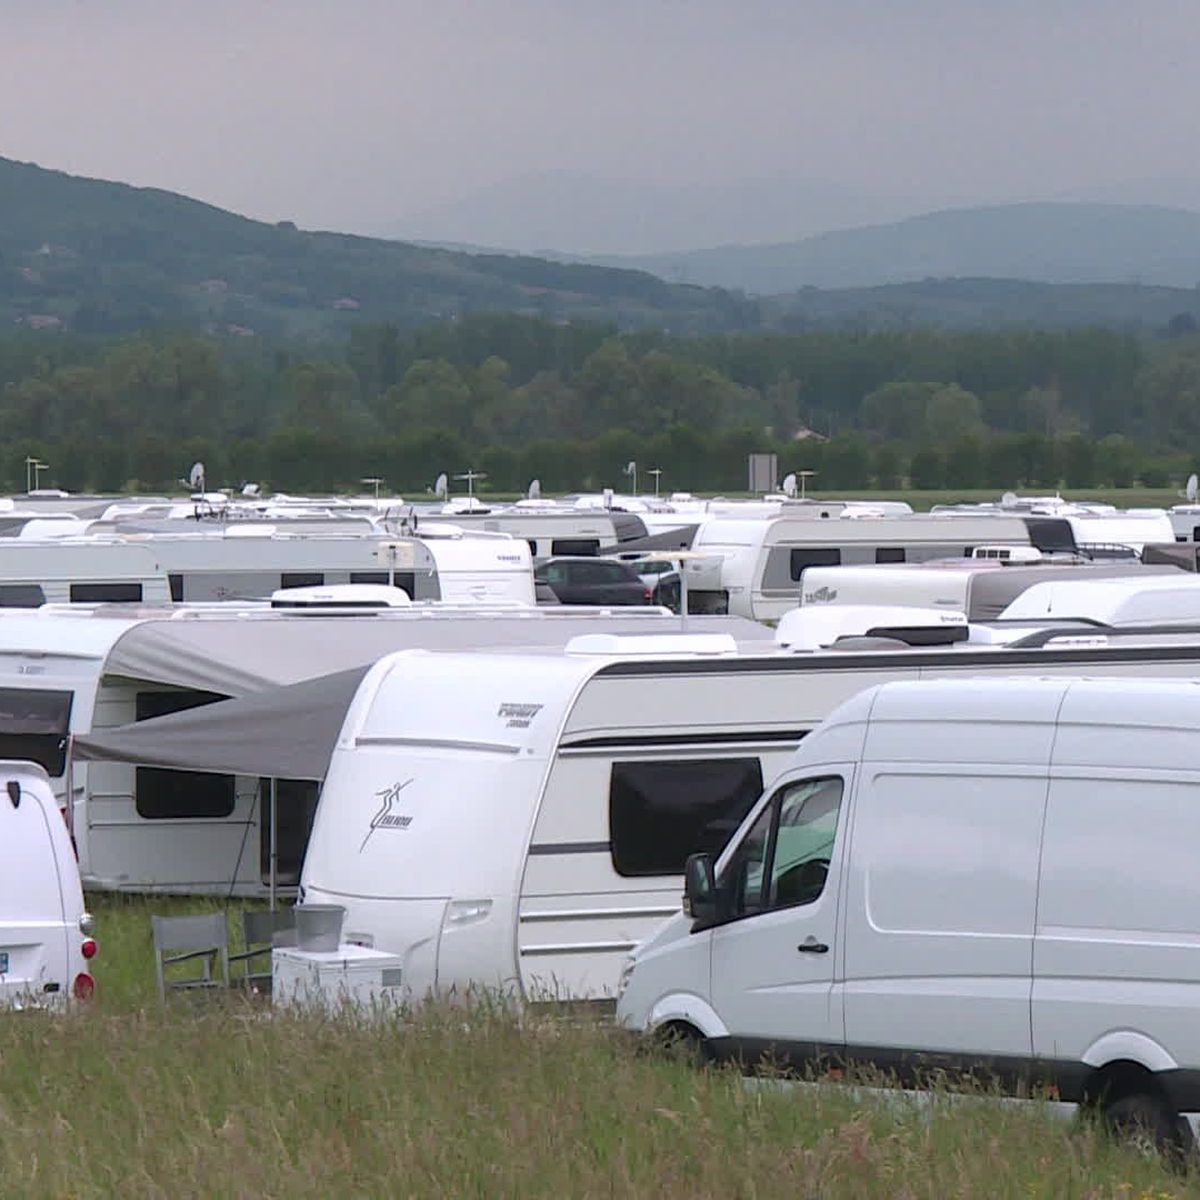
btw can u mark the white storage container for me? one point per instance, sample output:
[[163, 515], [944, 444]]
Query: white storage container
[[348, 977]]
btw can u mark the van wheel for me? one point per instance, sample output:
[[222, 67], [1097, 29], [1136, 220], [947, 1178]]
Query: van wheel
[[683, 1042], [1147, 1124]]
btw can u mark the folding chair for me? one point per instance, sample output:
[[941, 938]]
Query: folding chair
[[262, 929], [200, 939]]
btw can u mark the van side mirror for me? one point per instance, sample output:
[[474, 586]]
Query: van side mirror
[[700, 889]]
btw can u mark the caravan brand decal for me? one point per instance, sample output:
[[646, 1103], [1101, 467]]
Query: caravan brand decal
[[822, 595], [385, 818], [518, 716]]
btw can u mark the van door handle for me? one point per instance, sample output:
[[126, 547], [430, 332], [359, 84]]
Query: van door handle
[[812, 946]]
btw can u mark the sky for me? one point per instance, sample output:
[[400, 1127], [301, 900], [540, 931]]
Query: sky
[[352, 114]]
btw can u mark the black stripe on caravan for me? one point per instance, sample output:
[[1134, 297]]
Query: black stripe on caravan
[[571, 848], [850, 661], [736, 736]]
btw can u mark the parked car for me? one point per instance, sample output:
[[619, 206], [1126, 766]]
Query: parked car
[[990, 877], [45, 934], [592, 581]]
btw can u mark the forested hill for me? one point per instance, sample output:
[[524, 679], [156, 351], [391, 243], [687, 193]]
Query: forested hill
[[99, 257]]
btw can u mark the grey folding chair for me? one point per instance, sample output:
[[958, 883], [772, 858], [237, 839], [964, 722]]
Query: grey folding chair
[[261, 930], [201, 940]]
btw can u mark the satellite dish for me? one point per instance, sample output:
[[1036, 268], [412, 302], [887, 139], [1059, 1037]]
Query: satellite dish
[[250, 489], [630, 467], [196, 477], [1193, 486], [1009, 500], [442, 486], [534, 491], [789, 486]]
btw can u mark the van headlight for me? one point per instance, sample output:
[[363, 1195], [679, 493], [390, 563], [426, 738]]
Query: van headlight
[[626, 974]]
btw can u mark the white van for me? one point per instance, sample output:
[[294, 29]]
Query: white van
[[45, 934], [992, 876]]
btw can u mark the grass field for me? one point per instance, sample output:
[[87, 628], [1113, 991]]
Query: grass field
[[130, 1098]]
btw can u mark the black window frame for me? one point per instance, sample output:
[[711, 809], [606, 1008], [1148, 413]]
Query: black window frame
[[164, 794], [106, 592], [640, 843], [574, 547], [816, 556], [36, 736]]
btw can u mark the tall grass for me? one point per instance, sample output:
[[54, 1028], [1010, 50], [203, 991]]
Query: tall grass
[[134, 1098]]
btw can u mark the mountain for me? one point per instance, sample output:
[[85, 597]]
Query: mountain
[[560, 214], [1048, 242], [101, 257]]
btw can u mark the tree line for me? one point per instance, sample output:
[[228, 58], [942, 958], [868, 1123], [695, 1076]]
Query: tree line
[[521, 398]]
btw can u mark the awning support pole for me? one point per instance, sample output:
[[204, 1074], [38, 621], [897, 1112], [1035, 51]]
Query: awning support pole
[[274, 837]]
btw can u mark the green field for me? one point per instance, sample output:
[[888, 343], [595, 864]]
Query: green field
[[133, 1099]]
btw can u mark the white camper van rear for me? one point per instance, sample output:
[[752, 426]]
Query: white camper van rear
[[45, 935]]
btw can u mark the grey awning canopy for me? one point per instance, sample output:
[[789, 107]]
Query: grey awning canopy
[[282, 733]]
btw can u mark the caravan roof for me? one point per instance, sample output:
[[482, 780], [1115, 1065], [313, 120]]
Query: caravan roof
[[1125, 601]]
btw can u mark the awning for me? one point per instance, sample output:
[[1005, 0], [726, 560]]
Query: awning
[[282, 733]]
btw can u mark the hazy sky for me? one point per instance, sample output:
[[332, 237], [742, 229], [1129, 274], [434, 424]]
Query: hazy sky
[[352, 113]]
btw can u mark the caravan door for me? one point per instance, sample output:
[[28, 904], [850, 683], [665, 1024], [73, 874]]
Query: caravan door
[[774, 957]]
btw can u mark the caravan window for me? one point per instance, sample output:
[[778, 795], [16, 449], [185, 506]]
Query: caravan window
[[21, 595], [162, 794], [580, 546], [34, 725], [292, 579], [813, 556], [889, 554], [660, 812], [106, 593]]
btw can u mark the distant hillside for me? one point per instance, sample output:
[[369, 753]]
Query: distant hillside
[[1047, 243], [102, 257], [987, 304]]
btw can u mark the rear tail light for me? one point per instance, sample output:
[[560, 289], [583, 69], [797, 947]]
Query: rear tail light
[[89, 948], [647, 593], [84, 987]]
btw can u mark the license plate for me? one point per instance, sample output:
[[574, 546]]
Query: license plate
[[3, 962]]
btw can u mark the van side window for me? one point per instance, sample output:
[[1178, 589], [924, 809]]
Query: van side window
[[660, 812], [784, 858]]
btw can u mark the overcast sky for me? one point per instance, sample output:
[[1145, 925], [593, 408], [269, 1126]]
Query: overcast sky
[[350, 114]]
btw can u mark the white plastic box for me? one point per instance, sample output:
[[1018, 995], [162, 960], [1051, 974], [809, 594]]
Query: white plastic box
[[350, 976]]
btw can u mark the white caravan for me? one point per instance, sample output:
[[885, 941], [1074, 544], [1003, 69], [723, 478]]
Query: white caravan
[[141, 826], [981, 588], [527, 822], [46, 940], [921, 892], [756, 568], [79, 570], [251, 560], [1125, 602]]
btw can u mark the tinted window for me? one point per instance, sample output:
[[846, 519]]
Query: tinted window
[[660, 812], [813, 556], [291, 579], [176, 584], [784, 858], [34, 725], [162, 794], [369, 577], [106, 593], [575, 546], [598, 572], [889, 554], [21, 595]]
